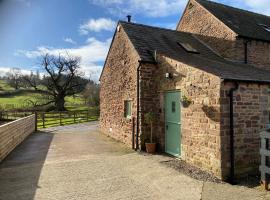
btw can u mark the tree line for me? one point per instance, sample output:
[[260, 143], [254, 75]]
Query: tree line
[[61, 77]]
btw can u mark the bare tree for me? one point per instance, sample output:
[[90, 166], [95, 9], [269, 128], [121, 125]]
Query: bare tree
[[14, 77], [62, 79], [91, 94]]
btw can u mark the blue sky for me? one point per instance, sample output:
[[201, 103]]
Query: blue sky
[[30, 28]]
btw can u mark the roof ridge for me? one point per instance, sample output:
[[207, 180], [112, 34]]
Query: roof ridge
[[232, 7], [154, 27]]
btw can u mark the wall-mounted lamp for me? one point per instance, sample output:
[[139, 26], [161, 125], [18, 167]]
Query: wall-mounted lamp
[[169, 75]]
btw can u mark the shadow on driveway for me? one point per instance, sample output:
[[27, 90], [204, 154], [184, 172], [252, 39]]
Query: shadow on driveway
[[20, 171]]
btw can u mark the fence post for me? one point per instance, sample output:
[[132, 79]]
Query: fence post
[[36, 122], [43, 120], [87, 115], [60, 118], [74, 117]]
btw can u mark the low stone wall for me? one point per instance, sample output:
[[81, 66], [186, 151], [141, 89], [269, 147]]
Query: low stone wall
[[13, 133]]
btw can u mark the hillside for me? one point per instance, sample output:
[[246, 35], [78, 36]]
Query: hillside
[[17, 99]]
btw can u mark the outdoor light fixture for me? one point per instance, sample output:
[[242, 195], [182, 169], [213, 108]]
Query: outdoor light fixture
[[169, 75]]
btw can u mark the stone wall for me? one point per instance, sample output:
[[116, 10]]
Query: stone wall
[[250, 118], [119, 83], [197, 20], [258, 53], [200, 129], [206, 27], [13, 133]]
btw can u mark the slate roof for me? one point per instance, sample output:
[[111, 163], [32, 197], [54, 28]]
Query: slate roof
[[242, 22], [147, 39]]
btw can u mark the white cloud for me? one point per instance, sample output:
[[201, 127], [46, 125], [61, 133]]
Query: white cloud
[[69, 40], [159, 8], [4, 70], [97, 25], [94, 51]]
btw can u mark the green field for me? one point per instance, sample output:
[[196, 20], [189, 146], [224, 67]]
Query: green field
[[4, 86], [23, 99]]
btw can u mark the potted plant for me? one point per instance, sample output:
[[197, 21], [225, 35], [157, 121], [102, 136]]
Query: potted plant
[[185, 101], [149, 119]]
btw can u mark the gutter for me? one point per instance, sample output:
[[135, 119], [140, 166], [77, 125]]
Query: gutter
[[232, 152]]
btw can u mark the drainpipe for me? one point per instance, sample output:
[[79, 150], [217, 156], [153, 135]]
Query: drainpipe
[[246, 50], [231, 94], [138, 105]]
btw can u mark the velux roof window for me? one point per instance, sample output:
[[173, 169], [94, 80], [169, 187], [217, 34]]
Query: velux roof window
[[265, 27], [187, 47]]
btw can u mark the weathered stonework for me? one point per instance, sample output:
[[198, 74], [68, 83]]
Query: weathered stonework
[[206, 27], [200, 122], [119, 83], [258, 53], [250, 118], [205, 134]]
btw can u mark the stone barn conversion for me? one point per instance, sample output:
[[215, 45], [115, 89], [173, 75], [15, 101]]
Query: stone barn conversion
[[207, 82]]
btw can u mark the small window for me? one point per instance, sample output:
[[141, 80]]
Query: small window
[[265, 27], [127, 109], [188, 48]]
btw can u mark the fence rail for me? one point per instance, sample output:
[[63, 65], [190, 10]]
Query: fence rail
[[50, 119]]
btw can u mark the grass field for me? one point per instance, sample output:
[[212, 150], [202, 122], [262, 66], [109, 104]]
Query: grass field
[[4, 86], [77, 112], [51, 119], [23, 98], [46, 120]]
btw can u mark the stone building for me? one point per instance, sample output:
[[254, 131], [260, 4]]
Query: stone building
[[207, 82]]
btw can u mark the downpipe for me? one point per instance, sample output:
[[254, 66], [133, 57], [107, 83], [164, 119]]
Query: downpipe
[[138, 106], [232, 152]]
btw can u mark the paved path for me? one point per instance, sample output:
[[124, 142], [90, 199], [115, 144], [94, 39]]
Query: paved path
[[78, 162]]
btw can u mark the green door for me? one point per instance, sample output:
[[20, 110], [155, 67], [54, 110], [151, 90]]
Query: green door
[[172, 123]]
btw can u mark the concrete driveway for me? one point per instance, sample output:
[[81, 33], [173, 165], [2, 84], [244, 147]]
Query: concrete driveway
[[78, 162]]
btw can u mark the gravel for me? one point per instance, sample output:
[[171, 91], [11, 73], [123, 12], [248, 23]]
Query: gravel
[[191, 171]]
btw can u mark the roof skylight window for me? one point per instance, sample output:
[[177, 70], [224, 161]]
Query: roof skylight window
[[188, 48], [265, 27]]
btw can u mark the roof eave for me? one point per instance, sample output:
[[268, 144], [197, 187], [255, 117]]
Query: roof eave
[[251, 38], [246, 81]]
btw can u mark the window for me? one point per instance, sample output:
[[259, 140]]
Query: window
[[127, 109], [187, 47], [265, 27]]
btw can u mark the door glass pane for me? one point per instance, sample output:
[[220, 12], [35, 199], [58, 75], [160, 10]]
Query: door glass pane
[[173, 106]]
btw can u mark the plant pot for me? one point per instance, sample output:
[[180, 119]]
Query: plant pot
[[150, 147], [185, 104]]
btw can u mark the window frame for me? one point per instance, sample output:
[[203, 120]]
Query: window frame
[[128, 110]]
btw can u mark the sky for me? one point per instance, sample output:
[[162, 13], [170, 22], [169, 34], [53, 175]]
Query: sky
[[84, 28]]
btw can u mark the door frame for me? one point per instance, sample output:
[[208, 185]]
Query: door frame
[[180, 128]]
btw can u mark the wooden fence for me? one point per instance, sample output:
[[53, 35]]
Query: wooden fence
[[50, 119], [265, 159]]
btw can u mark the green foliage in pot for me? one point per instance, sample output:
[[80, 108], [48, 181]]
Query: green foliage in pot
[[186, 101], [150, 117]]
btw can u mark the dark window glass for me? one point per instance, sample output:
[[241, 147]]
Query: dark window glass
[[127, 107], [173, 106]]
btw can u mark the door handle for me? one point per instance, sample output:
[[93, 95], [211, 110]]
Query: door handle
[[167, 127]]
